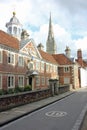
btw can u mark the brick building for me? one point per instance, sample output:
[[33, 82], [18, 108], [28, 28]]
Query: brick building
[[22, 64]]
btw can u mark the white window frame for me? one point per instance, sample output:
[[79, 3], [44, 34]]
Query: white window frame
[[67, 80], [1, 56], [21, 61], [66, 69], [42, 66], [47, 67], [47, 81], [42, 80], [19, 84], [37, 80], [38, 65], [0, 81], [11, 58], [12, 83]]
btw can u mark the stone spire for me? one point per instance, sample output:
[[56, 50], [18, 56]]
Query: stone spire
[[14, 27], [50, 44]]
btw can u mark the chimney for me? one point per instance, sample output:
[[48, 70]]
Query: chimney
[[68, 52], [40, 47], [79, 57]]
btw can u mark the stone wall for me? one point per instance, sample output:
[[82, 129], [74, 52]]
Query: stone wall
[[13, 100]]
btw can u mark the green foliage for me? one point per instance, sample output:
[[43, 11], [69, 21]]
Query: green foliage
[[10, 91], [27, 88], [18, 89], [1, 92], [15, 90]]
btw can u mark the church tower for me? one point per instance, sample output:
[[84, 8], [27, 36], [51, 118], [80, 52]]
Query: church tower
[[14, 27], [50, 44]]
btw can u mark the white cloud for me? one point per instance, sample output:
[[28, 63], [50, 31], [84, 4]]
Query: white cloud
[[68, 20], [82, 43]]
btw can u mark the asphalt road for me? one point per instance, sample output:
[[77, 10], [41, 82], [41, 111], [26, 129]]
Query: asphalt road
[[65, 114]]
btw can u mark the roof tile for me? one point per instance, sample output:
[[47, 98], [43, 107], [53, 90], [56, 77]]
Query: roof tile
[[48, 57], [62, 59], [9, 40]]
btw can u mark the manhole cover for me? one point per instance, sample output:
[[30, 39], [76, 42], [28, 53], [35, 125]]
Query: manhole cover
[[56, 113]]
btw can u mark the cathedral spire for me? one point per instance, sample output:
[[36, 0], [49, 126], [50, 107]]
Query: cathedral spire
[[50, 27], [50, 44]]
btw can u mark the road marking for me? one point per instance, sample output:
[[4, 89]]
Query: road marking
[[78, 122], [56, 113]]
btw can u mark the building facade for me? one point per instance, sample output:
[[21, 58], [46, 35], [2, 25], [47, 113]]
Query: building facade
[[22, 64]]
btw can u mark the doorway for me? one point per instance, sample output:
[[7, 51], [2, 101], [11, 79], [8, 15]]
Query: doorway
[[30, 81]]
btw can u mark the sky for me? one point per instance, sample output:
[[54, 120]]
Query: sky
[[69, 20]]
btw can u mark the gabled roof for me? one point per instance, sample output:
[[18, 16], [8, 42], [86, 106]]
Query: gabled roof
[[8, 40], [62, 59], [47, 57]]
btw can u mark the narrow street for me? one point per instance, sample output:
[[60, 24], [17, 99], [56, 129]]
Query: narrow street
[[61, 115]]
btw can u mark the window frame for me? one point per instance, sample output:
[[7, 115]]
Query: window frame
[[0, 81], [11, 58], [11, 82], [21, 76]]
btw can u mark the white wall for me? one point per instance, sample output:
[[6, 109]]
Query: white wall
[[83, 77]]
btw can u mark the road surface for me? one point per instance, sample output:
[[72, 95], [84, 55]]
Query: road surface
[[65, 114]]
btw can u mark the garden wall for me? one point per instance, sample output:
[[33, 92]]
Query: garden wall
[[13, 100]]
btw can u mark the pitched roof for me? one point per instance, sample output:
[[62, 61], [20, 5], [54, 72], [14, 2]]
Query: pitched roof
[[62, 59], [8, 40], [82, 63], [48, 57]]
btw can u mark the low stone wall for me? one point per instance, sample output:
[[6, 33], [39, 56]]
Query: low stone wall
[[13, 100], [64, 88]]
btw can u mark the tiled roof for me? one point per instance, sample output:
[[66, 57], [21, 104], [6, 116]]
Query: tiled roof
[[47, 57], [8, 40], [82, 63], [62, 59]]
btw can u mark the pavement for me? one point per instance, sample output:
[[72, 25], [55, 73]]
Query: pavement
[[20, 111]]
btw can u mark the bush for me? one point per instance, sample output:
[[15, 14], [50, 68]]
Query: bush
[[10, 91], [27, 88], [1, 92], [18, 89]]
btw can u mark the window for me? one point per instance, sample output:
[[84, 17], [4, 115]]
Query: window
[[11, 82], [47, 81], [11, 58], [43, 80], [21, 81], [66, 69], [37, 65], [37, 80], [0, 81], [21, 61], [42, 66], [47, 67], [66, 80], [50, 68], [15, 30], [30, 66], [10, 30], [0, 56]]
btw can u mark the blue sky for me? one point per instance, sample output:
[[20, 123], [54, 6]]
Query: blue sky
[[69, 19]]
